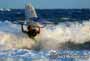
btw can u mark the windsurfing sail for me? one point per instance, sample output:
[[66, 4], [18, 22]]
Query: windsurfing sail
[[32, 18], [30, 12]]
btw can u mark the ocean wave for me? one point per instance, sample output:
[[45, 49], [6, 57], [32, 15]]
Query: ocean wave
[[60, 36]]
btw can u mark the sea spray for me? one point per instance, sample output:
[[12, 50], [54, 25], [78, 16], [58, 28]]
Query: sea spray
[[51, 36], [12, 37], [58, 35]]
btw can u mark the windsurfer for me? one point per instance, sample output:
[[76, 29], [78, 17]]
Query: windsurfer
[[32, 31]]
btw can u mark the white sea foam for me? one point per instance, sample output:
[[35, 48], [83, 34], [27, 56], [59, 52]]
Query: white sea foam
[[12, 37], [51, 37]]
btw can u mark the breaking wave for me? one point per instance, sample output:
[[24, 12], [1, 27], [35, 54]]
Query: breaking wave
[[51, 36]]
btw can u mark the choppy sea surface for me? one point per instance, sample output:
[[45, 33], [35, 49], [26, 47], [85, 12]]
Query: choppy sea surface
[[62, 41], [51, 55]]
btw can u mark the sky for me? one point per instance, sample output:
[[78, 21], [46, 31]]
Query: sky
[[45, 4]]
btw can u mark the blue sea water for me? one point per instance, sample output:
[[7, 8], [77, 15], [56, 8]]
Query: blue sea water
[[53, 15], [51, 55], [71, 19]]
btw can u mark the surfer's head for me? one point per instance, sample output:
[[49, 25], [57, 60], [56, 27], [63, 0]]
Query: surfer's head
[[29, 27]]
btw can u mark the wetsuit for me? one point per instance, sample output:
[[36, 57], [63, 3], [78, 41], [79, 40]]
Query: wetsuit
[[31, 33]]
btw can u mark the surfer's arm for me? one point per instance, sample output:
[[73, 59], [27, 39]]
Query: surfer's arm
[[38, 29], [23, 29]]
